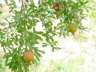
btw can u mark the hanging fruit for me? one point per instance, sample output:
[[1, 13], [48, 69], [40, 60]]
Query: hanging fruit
[[58, 7], [28, 56], [72, 28]]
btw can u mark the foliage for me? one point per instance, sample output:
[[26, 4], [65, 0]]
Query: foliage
[[20, 35]]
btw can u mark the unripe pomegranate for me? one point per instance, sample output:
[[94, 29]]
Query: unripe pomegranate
[[72, 28]]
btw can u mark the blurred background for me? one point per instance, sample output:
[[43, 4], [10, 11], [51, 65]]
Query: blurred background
[[77, 53]]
